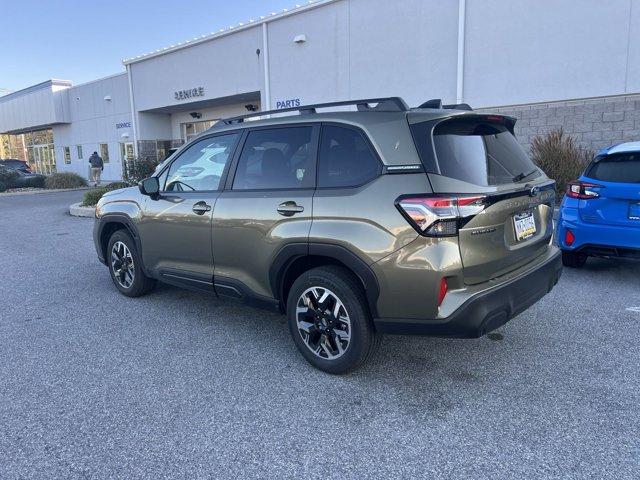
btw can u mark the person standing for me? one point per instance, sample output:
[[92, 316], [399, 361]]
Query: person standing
[[97, 166]]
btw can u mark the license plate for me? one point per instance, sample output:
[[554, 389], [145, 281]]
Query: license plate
[[634, 211], [525, 225]]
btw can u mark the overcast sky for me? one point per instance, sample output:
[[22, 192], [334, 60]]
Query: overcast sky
[[85, 40]]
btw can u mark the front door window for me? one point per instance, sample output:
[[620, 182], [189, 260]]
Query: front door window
[[201, 166]]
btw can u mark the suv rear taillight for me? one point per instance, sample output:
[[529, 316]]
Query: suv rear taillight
[[438, 215], [583, 190]]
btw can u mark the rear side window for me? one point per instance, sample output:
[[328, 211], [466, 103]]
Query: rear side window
[[345, 158], [276, 158], [480, 152], [622, 168]]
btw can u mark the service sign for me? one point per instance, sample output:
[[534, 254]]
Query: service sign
[[123, 125], [189, 93]]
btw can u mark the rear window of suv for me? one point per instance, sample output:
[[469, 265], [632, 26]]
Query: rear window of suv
[[621, 168], [476, 150]]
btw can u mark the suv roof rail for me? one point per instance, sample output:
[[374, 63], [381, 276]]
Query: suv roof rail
[[385, 104], [437, 104]]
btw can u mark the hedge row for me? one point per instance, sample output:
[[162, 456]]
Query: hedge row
[[91, 197]]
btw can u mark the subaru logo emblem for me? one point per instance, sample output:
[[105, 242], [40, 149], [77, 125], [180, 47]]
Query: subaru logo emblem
[[534, 191]]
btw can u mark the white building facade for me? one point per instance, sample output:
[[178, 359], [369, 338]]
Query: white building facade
[[573, 64]]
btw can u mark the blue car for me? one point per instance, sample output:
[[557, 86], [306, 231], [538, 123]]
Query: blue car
[[600, 213]]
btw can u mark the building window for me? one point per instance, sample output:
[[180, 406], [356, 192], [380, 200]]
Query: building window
[[67, 155], [192, 129], [79, 149], [104, 152]]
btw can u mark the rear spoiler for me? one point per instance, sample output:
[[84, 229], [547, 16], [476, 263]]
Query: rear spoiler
[[507, 121]]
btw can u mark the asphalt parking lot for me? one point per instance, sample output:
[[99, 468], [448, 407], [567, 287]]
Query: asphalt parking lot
[[178, 384]]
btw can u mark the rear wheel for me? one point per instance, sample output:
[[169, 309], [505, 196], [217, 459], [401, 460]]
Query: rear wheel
[[125, 266], [573, 259], [329, 320]]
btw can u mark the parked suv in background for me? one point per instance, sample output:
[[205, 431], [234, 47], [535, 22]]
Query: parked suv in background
[[600, 213], [383, 220]]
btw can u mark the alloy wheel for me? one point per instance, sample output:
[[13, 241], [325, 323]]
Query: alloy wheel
[[122, 264], [323, 323]]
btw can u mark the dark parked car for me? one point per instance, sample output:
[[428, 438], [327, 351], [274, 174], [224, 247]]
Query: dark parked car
[[15, 164], [427, 221], [28, 179]]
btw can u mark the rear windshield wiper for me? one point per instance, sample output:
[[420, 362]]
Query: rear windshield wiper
[[522, 176]]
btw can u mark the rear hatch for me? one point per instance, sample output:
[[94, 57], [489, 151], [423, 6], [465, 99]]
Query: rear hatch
[[615, 188], [477, 155]]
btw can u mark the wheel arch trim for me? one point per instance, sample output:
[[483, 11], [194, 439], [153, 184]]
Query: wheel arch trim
[[121, 219], [288, 254]]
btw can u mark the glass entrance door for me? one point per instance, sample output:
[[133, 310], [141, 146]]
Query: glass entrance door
[[126, 157], [44, 159]]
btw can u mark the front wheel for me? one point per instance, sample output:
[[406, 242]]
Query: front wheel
[[573, 259], [125, 266], [329, 320]]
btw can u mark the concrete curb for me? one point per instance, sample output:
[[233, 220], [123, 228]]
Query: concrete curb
[[39, 192], [77, 210]]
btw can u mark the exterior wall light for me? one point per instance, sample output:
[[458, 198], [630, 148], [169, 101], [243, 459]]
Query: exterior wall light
[[107, 98], [125, 135], [300, 39]]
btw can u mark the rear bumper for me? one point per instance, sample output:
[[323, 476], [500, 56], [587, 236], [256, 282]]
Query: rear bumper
[[487, 310], [590, 235], [608, 251]]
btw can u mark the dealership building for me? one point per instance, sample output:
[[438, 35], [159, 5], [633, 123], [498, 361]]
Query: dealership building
[[573, 64]]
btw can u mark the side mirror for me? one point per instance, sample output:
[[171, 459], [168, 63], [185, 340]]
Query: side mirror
[[149, 186]]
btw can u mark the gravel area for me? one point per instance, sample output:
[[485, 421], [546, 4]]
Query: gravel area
[[181, 385]]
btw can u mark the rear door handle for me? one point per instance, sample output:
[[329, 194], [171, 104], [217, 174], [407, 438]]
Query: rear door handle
[[289, 209], [201, 208]]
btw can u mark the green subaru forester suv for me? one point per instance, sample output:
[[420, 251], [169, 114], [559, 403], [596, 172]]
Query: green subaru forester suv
[[381, 220]]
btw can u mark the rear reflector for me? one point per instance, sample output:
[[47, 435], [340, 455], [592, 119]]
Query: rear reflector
[[443, 290], [569, 237], [438, 216]]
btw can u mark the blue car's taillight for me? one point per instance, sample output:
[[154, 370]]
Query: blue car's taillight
[[583, 190]]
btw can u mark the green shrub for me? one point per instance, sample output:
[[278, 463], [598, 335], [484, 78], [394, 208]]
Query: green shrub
[[7, 177], [64, 180], [3, 187], [137, 169], [91, 197], [560, 158]]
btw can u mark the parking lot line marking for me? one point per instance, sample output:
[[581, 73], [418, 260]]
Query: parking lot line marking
[[633, 309]]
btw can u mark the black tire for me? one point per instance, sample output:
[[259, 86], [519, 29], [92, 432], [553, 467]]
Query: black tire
[[363, 339], [573, 259], [141, 284]]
